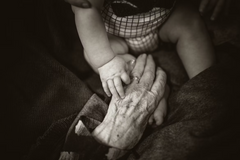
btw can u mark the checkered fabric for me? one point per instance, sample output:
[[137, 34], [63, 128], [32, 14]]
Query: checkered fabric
[[140, 31]]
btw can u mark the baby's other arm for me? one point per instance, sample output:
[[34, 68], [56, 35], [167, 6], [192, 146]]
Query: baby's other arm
[[92, 33]]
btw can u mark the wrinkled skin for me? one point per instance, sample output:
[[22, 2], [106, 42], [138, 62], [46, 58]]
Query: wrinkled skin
[[127, 118]]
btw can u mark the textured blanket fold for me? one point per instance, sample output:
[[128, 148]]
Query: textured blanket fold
[[79, 143]]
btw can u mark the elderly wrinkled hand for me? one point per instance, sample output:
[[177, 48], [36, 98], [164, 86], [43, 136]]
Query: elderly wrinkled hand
[[127, 118]]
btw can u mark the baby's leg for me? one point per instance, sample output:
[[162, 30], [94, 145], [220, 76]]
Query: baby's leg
[[194, 46]]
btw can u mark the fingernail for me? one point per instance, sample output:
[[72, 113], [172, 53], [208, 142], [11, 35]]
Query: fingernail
[[133, 61], [86, 5]]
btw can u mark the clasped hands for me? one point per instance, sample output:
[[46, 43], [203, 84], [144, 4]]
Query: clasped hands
[[126, 118], [113, 73]]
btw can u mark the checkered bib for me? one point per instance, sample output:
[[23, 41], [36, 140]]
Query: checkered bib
[[140, 31]]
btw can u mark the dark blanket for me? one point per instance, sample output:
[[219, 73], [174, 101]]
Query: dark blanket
[[203, 116], [45, 92]]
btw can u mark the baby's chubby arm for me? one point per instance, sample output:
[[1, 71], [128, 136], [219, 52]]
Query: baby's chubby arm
[[92, 34], [98, 51]]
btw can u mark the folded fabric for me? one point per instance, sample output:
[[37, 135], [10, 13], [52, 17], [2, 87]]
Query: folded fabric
[[79, 143]]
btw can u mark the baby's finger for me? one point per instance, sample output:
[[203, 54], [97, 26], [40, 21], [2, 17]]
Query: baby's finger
[[148, 74], [203, 6], [217, 9], [139, 66], [125, 78], [112, 88], [106, 89], [118, 84]]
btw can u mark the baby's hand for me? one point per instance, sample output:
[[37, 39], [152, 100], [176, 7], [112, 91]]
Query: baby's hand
[[216, 5], [112, 74]]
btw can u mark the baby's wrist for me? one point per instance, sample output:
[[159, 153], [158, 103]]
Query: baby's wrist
[[99, 60], [107, 61]]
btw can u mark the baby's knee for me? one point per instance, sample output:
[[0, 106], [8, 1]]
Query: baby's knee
[[185, 20], [118, 45], [192, 24]]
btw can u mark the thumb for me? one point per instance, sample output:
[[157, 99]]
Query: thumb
[[130, 65], [125, 78]]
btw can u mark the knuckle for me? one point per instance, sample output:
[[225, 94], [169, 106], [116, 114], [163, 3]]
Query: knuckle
[[103, 79], [149, 73], [146, 84], [161, 87], [134, 73]]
